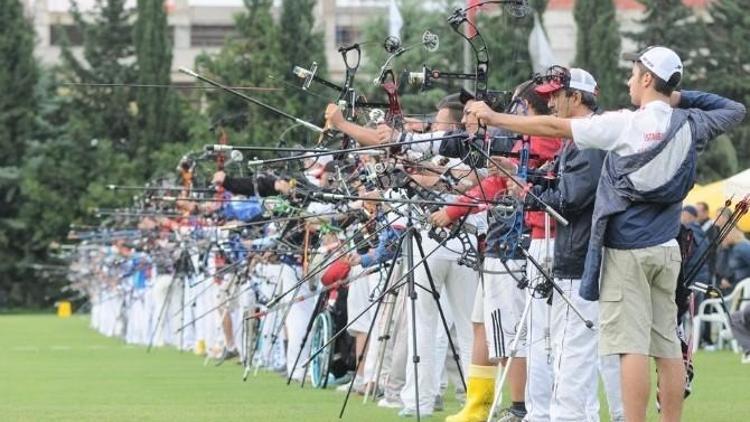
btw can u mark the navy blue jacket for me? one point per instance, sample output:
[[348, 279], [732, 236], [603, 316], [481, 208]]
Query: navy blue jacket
[[619, 201], [573, 197]]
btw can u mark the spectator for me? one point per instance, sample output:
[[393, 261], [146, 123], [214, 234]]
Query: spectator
[[735, 261], [690, 220], [703, 219]]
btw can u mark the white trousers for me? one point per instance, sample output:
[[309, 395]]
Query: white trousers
[[297, 321], [167, 302], [577, 363], [271, 353], [539, 341], [499, 306], [460, 287]]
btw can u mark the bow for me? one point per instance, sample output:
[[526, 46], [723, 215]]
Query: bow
[[459, 19]]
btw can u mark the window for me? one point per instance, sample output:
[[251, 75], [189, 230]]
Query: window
[[346, 35], [58, 33], [209, 35]]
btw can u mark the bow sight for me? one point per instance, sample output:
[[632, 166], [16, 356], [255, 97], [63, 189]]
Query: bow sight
[[392, 45]]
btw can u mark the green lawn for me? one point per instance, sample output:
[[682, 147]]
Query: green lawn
[[60, 370]]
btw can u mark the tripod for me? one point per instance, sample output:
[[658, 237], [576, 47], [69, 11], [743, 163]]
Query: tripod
[[410, 235]]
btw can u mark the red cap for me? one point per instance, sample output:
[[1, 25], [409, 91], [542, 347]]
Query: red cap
[[548, 87]]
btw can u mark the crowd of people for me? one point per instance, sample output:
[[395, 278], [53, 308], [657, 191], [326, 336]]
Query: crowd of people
[[544, 267]]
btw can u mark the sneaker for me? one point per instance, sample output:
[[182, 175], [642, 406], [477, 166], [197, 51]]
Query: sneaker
[[357, 388], [226, 354], [506, 415], [344, 379], [439, 404], [390, 403], [412, 413], [746, 357]]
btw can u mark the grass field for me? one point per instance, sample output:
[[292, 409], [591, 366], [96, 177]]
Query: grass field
[[60, 370]]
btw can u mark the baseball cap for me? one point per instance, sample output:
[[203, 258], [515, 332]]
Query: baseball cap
[[663, 61], [577, 79]]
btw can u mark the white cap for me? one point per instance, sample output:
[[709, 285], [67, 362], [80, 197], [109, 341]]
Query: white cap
[[663, 61], [582, 80]]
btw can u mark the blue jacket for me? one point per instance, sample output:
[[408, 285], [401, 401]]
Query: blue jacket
[[387, 242], [700, 244], [707, 115], [572, 196]]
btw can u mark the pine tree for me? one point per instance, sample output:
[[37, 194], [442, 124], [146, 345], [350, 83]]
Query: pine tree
[[301, 44], [158, 109], [247, 59], [507, 40], [671, 24], [539, 6], [18, 106], [718, 161], [18, 76], [598, 49], [725, 66], [108, 58]]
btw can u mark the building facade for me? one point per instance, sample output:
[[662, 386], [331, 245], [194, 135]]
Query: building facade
[[202, 25]]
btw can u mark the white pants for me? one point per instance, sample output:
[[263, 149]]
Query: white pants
[[499, 306], [576, 368], [271, 353], [460, 287], [297, 321], [167, 301], [540, 354], [358, 299]]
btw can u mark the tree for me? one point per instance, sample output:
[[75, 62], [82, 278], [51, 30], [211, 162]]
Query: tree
[[301, 44], [108, 58], [724, 68], [508, 46], [718, 162], [158, 109], [598, 49], [246, 59], [18, 105], [672, 24]]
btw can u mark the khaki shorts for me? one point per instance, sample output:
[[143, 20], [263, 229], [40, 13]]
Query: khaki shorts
[[637, 310]]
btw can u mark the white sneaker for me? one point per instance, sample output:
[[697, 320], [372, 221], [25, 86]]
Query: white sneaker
[[357, 388], [746, 357], [412, 413], [390, 404]]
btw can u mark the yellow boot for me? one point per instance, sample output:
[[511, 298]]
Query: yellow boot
[[480, 392]]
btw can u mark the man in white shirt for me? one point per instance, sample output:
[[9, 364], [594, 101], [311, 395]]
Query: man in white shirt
[[648, 171]]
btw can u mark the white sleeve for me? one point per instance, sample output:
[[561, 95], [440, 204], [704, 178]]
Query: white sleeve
[[599, 131], [432, 147]]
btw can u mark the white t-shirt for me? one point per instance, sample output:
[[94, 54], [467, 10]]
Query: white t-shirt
[[625, 132], [429, 148]]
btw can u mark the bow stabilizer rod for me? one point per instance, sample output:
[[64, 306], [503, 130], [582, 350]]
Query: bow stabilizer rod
[[250, 99]]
